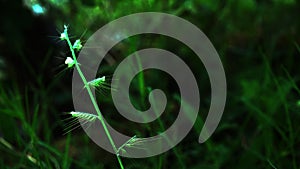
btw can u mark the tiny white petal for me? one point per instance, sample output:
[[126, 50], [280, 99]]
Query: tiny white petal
[[63, 36], [77, 44], [69, 60]]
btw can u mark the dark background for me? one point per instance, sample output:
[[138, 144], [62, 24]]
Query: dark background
[[258, 43]]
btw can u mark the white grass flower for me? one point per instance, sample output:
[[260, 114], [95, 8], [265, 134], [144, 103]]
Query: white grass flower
[[70, 62], [77, 45], [63, 36]]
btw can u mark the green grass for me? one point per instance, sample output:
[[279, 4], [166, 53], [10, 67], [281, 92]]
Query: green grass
[[258, 43]]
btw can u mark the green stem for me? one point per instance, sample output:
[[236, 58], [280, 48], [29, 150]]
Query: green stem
[[92, 99], [141, 80], [163, 128]]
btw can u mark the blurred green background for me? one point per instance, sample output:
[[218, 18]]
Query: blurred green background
[[258, 42]]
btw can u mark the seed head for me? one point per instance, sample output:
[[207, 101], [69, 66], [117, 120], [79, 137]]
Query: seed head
[[97, 82], [84, 116]]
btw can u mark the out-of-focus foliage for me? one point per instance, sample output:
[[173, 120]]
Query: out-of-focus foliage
[[258, 42]]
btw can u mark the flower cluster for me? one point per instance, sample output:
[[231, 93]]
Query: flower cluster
[[76, 46]]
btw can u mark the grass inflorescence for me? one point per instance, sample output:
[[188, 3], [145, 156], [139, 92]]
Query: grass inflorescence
[[72, 62]]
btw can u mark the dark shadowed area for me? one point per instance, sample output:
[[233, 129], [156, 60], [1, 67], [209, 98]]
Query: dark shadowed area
[[259, 46]]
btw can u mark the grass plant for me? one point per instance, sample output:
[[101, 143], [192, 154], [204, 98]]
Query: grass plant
[[72, 62]]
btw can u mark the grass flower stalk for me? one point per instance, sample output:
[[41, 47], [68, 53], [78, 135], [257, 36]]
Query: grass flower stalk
[[77, 46]]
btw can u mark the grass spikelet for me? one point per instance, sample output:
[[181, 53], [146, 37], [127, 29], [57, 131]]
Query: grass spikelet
[[77, 118], [77, 45], [134, 142], [97, 82], [102, 85], [84, 116]]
